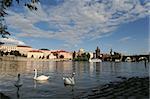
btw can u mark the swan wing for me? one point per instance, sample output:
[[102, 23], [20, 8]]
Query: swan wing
[[18, 83], [42, 77], [68, 81]]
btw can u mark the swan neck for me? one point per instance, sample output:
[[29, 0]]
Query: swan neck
[[35, 74], [72, 81], [73, 75], [18, 78]]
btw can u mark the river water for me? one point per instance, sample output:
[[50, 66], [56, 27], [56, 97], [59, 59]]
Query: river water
[[88, 75]]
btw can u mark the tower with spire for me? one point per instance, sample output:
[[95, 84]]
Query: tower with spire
[[97, 52]]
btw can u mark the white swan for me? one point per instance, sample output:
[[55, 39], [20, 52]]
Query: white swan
[[40, 78], [18, 83], [69, 80]]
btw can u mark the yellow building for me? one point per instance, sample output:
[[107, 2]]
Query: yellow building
[[24, 49], [51, 56], [35, 54], [41, 54], [64, 54]]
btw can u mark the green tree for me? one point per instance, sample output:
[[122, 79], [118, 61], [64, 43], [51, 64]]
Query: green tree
[[5, 5], [16, 53], [23, 55], [74, 55], [32, 56], [1, 53], [44, 49], [47, 57], [88, 56], [43, 57], [55, 54], [116, 56], [61, 56], [83, 57], [6, 53]]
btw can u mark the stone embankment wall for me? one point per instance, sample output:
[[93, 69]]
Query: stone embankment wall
[[15, 58]]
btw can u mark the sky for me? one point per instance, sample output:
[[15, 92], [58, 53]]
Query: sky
[[122, 25]]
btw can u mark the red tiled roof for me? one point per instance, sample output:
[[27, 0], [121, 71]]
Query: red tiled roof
[[38, 51], [59, 51], [45, 50], [62, 51], [23, 46]]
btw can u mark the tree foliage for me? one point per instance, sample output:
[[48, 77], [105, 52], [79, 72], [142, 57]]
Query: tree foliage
[[116, 56], [16, 53], [74, 54], [83, 57], [44, 49], [5, 5]]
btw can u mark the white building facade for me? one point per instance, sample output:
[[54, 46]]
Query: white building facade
[[22, 49]]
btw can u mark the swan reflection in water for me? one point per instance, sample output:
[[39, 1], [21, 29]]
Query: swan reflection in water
[[18, 95], [18, 84], [36, 82], [71, 88], [69, 82]]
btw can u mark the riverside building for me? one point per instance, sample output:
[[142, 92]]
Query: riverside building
[[21, 48], [38, 54]]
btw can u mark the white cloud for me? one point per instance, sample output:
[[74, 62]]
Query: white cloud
[[91, 19], [11, 41], [125, 39]]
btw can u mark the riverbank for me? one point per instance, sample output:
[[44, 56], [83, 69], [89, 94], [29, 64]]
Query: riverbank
[[128, 88], [17, 58], [2, 96]]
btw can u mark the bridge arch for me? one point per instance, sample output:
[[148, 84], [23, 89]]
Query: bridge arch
[[142, 58]]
